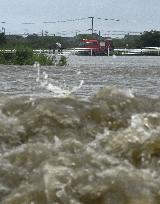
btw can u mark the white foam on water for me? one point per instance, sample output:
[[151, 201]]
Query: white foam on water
[[57, 91], [57, 142], [45, 75], [143, 126], [79, 72]]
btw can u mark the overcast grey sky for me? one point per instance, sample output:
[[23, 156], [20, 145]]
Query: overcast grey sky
[[134, 15]]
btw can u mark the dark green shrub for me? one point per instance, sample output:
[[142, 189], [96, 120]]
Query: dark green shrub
[[24, 56], [62, 61], [2, 58], [43, 60]]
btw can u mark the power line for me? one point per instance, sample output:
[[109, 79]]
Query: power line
[[64, 21], [28, 23], [106, 19]]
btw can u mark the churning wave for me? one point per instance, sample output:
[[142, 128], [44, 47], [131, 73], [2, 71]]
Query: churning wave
[[104, 150]]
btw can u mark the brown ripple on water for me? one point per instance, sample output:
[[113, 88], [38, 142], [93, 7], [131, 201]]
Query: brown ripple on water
[[71, 151]]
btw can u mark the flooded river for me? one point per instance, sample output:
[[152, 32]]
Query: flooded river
[[86, 133], [139, 74]]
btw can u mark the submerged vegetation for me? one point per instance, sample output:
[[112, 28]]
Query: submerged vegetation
[[23, 56], [62, 61], [26, 56]]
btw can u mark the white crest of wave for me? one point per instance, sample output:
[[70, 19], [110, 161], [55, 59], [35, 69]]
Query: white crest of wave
[[124, 92]]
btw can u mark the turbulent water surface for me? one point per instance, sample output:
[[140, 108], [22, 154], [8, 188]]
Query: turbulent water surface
[[87, 133]]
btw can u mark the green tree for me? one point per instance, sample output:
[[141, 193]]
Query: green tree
[[2, 39], [150, 39]]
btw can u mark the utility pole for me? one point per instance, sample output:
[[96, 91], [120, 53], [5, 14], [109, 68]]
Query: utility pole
[[92, 18], [3, 28]]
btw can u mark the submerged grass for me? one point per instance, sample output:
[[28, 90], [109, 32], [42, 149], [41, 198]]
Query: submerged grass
[[25, 56]]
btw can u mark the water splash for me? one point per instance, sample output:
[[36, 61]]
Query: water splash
[[59, 91], [37, 65], [77, 87]]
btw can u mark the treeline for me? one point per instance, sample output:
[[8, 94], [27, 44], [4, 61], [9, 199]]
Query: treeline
[[34, 41], [146, 39]]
